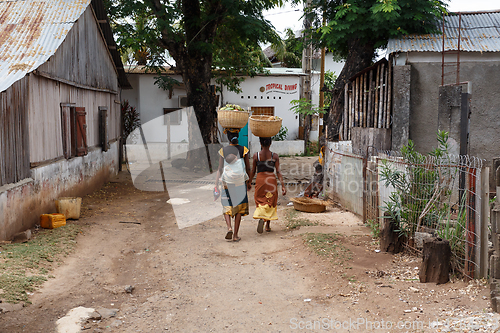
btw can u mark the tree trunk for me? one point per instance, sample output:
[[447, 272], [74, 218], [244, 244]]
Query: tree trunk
[[202, 98], [194, 61], [359, 57], [436, 261]]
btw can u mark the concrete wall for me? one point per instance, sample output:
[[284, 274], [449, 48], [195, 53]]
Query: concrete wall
[[21, 204], [159, 151], [287, 147], [401, 106], [343, 176], [485, 102]]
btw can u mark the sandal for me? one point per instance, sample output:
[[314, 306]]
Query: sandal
[[236, 239], [268, 229], [260, 226], [229, 234]]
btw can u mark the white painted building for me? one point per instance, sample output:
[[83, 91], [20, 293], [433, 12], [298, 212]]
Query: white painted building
[[270, 93]]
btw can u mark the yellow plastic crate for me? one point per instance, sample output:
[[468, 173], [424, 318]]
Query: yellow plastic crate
[[51, 221]]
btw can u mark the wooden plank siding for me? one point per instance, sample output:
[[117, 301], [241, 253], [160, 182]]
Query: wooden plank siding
[[45, 116], [368, 99], [81, 72], [83, 57], [14, 147]]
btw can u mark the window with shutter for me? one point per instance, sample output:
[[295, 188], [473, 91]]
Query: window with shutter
[[73, 130], [81, 131]]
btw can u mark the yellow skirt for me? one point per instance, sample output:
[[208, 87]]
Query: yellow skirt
[[266, 196]]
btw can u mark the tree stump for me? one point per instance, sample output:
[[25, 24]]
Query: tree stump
[[436, 261], [389, 238]]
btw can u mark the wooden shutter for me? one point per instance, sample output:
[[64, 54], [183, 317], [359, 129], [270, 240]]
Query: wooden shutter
[[81, 131], [103, 128], [66, 129]]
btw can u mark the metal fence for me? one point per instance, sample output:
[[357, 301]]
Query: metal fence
[[445, 197]]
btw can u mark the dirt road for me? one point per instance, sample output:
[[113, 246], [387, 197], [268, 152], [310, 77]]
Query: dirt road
[[155, 277]]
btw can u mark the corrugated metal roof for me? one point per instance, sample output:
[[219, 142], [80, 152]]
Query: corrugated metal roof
[[480, 32], [31, 31]]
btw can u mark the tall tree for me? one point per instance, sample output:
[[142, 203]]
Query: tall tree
[[356, 28], [197, 34]]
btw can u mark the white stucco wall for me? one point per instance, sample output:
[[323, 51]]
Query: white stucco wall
[[150, 101], [274, 90]]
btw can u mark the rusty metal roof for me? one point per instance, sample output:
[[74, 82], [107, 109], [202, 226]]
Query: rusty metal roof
[[31, 32], [479, 31]]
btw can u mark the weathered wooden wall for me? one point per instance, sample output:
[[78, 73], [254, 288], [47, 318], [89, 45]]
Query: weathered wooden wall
[[83, 57], [45, 116], [14, 148], [81, 72]]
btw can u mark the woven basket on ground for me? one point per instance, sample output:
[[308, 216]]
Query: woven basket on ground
[[305, 204], [264, 126], [232, 118]]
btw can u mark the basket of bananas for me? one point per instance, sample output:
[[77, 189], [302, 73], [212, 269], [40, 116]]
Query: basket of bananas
[[232, 116], [264, 126]]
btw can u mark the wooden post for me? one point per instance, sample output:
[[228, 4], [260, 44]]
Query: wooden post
[[377, 87], [356, 113], [346, 110], [381, 98], [482, 247], [470, 238], [389, 96], [363, 94], [370, 108], [436, 261], [389, 238], [352, 109]]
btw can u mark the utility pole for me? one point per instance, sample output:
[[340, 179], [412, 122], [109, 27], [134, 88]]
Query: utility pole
[[306, 67]]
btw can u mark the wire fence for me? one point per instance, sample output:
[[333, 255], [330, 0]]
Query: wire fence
[[426, 196], [433, 196]]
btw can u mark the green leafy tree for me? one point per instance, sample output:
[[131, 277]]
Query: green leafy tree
[[289, 50], [199, 35], [356, 28]]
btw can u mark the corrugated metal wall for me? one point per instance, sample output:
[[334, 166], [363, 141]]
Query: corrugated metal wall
[[14, 148], [83, 57]]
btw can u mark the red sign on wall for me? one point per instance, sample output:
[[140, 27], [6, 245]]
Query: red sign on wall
[[281, 88]]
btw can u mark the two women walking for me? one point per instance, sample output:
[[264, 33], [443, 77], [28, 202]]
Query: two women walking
[[234, 168]]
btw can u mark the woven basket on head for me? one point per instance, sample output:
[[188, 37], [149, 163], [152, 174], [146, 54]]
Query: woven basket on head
[[232, 118], [305, 204], [264, 126]]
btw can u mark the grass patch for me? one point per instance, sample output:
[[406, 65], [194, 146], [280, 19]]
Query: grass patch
[[25, 266], [293, 221], [328, 245]]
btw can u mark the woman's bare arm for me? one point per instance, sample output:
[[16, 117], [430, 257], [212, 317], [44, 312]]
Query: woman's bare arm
[[252, 173]]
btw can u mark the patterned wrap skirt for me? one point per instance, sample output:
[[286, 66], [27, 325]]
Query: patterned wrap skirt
[[234, 199], [266, 196]]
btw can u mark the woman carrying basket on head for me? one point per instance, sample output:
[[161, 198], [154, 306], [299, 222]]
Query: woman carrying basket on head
[[234, 165], [265, 163]]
